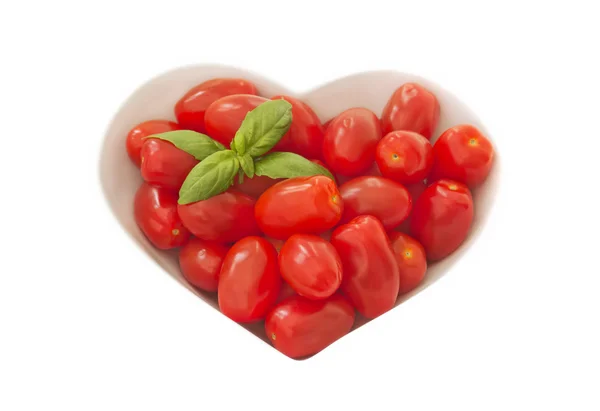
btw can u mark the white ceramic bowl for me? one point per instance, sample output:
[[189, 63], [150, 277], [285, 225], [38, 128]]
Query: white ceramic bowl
[[156, 99]]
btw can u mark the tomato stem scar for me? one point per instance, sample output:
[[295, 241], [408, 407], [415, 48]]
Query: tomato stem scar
[[273, 336], [175, 231]]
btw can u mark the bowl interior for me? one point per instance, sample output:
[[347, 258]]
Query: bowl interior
[[155, 100]]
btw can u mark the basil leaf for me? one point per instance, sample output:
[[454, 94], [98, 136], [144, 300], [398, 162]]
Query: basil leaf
[[262, 128], [247, 164], [197, 144], [288, 165], [209, 177]]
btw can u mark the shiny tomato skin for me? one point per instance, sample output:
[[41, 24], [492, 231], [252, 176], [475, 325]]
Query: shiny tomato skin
[[200, 262], [413, 108], [370, 271], [136, 136], [224, 117], [191, 108], [311, 266], [249, 282], [411, 259], [224, 218], [164, 165], [299, 327], [404, 156], [350, 141], [255, 186], [463, 154], [305, 136], [300, 205], [155, 213], [380, 197], [442, 218]]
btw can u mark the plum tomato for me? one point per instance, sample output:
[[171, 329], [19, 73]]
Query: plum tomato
[[380, 197], [411, 259], [200, 262], [256, 185], [191, 108], [411, 108], [249, 282], [224, 117], [135, 137], [299, 327], [164, 165], [350, 141], [311, 266], [404, 156], [370, 271], [224, 218], [442, 218], [155, 213], [299, 205], [463, 154], [305, 136]]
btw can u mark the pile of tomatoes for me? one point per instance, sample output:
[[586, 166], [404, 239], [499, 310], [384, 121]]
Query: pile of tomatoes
[[305, 254]]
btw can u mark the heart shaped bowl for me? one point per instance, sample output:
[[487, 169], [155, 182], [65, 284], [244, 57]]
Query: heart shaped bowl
[[156, 98]]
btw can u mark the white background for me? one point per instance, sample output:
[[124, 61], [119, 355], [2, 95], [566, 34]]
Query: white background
[[87, 322]]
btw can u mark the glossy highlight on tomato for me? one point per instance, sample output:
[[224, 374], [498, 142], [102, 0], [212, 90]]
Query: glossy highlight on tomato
[[249, 282], [464, 154], [311, 266], [224, 218], [442, 218], [404, 156], [224, 117], [164, 165], [136, 136], [350, 141], [299, 327], [191, 108], [412, 108], [370, 272], [155, 213], [380, 197], [411, 259], [200, 262], [300, 205], [305, 136]]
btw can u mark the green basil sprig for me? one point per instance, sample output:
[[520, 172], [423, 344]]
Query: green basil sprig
[[260, 131]]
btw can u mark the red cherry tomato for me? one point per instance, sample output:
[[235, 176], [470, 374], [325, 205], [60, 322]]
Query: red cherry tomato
[[164, 165], [224, 218], [305, 136], [380, 197], [224, 117], [350, 141], [135, 137], [404, 156], [191, 108], [256, 185], [411, 259], [299, 327], [200, 262], [371, 278], [412, 108], [300, 205], [249, 281], [442, 217], [155, 213], [311, 266], [463, 154]]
